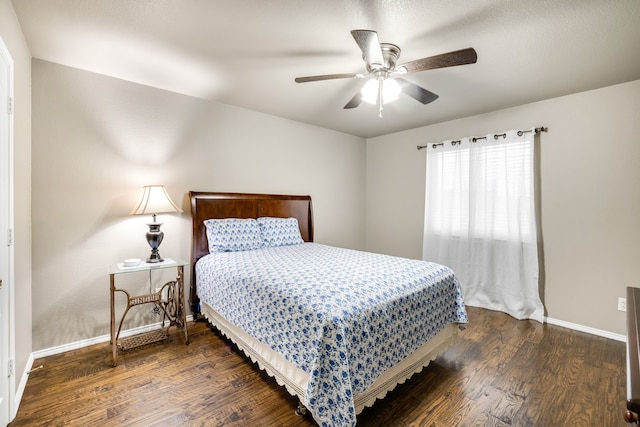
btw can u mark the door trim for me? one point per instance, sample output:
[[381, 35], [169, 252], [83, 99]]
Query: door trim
[[7, 196]]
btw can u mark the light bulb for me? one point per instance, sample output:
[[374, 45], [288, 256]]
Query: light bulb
[[390, 90], [370, 91]]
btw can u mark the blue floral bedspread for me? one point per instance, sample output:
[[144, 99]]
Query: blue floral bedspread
[[341, 315]]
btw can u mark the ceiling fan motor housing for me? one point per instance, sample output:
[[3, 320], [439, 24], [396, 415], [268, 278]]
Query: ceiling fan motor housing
[[390, 55]]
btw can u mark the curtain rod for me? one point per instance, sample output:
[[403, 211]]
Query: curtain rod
[[476, 138]]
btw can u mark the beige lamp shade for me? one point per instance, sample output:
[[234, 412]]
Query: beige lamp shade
[[154, 200]]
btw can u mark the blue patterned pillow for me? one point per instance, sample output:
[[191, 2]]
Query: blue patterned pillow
[[233, 234], [280, 231]]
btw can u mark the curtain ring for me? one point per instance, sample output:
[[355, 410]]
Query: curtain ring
[[504, 135]]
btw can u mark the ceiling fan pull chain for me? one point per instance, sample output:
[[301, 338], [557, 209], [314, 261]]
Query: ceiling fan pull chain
[[380, 97]]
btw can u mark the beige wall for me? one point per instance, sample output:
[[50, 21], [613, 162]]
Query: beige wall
[[98, 140], [12, 36], [590, 196]]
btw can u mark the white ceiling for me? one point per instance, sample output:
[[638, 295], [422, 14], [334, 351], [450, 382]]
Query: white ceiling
[[247, 52]]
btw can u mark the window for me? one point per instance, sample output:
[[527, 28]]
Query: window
[[480, 220], [485, 190]]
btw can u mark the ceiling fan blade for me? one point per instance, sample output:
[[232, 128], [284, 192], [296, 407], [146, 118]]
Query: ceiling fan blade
[[451, 59], [416, 92], [326, 77], [370, 46], [354, 102]]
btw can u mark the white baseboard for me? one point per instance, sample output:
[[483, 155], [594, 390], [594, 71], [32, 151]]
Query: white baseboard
[[104, 338], [97, 340], [587, 329]]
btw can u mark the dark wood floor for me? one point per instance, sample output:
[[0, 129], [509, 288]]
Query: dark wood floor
[[500, 372]]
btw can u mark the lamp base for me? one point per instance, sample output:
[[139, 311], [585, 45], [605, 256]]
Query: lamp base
[[154, 257], [154, 238]]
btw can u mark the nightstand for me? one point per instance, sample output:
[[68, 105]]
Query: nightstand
[[169, 299]]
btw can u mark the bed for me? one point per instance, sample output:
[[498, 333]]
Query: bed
[[338, 328]]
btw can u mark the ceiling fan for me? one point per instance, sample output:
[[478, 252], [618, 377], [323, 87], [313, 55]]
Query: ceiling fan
[[384, 85]]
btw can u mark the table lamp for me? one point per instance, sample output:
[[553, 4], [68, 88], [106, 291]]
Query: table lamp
[[154, 200]]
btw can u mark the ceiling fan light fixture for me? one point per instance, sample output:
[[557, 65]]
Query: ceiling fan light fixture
[[380, 61], [390, 90]]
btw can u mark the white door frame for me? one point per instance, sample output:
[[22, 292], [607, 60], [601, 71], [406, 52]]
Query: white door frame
[[8, 407]]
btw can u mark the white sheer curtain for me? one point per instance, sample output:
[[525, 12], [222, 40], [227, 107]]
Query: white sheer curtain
[[480, 220]]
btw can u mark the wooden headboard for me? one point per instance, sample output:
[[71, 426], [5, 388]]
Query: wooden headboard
[[207, 205]]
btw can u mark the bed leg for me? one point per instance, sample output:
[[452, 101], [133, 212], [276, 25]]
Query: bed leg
[[301, 410]]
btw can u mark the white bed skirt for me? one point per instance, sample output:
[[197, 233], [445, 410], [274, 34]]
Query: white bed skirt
[[295, 380]]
